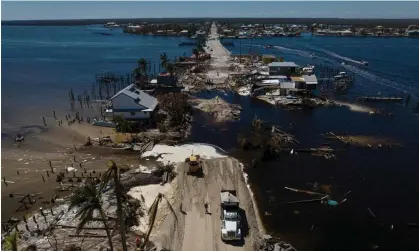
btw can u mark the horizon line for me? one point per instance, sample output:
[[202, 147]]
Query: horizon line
[[139, 18]]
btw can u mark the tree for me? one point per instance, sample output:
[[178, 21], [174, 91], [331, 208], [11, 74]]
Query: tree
[[199, 47], [142, 64], [122, 124], [177, 106], [196, 53], [113, 174], [137, 74], [170, 68], [153, 212], [88, 199], [163, 60]]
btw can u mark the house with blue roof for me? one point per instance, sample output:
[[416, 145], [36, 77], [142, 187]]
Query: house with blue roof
[[132, 104]]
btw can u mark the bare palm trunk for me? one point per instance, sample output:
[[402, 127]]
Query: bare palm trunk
[[119, 210], [103, 216]]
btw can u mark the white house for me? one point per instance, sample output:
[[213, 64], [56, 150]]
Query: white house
[[132, 104]]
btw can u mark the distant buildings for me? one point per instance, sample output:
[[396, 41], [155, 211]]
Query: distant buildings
[[412, 33]]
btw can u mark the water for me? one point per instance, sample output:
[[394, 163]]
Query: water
[[40, 65]]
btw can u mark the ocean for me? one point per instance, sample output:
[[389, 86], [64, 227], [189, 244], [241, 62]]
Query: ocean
[[40, 64]]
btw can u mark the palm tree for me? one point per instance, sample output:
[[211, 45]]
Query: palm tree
[[138, 73], [142, 64], [113, 173], [170, 68], [88, 199], [163, 60], [153, 212]]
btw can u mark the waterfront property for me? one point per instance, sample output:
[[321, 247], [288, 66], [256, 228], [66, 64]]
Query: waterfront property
[[282, 68], [132, 104]]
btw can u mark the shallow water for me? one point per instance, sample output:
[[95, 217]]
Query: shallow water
[[41, 64]]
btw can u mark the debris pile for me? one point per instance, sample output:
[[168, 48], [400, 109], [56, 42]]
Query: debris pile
[[363, 140], [218, 108], [269, 243], [267, 137]]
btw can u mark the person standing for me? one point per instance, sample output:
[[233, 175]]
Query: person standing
[[206, 208]]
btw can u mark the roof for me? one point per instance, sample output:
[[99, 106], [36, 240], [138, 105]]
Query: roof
[[310, 79], [139, 96], [297, 78], [283, 64], [227, 197], [192, 158]]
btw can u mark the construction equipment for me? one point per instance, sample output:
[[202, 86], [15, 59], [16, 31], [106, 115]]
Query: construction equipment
[[194, 165], [230, 216]]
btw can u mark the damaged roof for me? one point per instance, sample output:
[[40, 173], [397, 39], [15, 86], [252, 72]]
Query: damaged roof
[[139, 96]]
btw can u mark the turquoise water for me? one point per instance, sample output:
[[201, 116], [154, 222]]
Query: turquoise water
[[41, 64]]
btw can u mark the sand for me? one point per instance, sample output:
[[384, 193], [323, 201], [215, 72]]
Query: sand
[[355, 107], [195, 230], [31, 160], [175, 154]]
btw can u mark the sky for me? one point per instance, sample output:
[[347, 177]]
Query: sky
[[37, 10]]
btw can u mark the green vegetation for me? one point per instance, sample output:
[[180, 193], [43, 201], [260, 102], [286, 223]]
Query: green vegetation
[[88, 200], [113, 173]]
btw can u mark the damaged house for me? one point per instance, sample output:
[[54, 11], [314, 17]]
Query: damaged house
[[132, 104]]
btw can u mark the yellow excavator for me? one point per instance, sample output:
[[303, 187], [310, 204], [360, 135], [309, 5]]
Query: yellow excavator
[[194, 165]]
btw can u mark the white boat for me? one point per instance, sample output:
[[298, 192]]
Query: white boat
[[309, 69], [363, 62], [112, 25], [341, 75]]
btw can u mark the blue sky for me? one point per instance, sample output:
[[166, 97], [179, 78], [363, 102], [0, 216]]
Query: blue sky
[[26, 10]]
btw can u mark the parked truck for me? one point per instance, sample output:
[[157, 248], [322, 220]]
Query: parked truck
[[230, 216]]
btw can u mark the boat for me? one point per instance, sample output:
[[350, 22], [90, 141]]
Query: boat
[[19, 138], [103, 123], [343, 63], [112, 25], [341, 75], [363, 62], [312, 55], [309, 69]]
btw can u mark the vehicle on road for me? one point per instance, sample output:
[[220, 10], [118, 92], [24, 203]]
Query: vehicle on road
[[230, 216], [194, 165]]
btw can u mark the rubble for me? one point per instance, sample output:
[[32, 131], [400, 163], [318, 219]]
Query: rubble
[[269, 243], [218, 108]]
